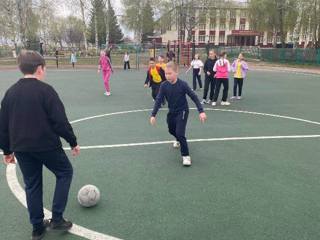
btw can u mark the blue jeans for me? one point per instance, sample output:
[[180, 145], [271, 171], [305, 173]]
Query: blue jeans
[[31, 164]]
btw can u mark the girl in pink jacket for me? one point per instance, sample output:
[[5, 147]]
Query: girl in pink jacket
[[106, 68], [222, 69]]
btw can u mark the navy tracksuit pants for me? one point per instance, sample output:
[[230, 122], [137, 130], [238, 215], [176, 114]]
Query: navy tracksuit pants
[[177, 123], [31, 165]]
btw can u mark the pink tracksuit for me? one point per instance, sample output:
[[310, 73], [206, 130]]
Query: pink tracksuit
[[106, 69]]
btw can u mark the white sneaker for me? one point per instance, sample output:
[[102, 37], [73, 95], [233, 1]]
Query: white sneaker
[[176, 144], [208, 101], [186, 161], [213, 104], [233, 97], [225, 103], [107, 93], [239, 98], [203, 101]]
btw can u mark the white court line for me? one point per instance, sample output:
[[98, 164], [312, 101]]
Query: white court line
[[93, 235], [206, 109], [198, 140], [194, 140], [19, 193]]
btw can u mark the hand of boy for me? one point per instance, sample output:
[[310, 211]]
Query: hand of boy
[[202, 117], [146, 85], [153, 121], [75, 151], [208, 73], [7, 159]]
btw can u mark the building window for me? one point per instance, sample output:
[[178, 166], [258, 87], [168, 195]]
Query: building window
[[202, 38], [202, 26], [222, 26], [232, 26], [212, 23], [223, 13], [243, 14], [221, 38], [212, 38], [270, 38], [232, 14], [261, 38], [193, 38], [242, 26]]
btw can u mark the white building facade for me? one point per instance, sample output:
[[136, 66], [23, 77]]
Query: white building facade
[[226, 27]]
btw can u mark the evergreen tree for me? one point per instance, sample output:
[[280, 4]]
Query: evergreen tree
[[97, 12], [115, 33], [147, 22]]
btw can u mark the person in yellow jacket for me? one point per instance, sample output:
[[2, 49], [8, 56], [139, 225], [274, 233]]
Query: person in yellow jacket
[[155, 76]]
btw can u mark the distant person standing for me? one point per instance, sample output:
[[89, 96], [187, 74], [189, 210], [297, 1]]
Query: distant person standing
[[171, 56], [240, 69], [106, 68], [210, 80], [126, 61], [222, 69], [197, 66], [73, 59]]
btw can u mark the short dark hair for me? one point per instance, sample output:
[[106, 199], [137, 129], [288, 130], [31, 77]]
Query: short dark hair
[[29, 61], [222, 54], [151, 59]]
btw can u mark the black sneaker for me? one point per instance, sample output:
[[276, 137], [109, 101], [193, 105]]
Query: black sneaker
[[39, 233], [62, 225]]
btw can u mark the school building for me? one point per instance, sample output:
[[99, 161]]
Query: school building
[[222, 26]]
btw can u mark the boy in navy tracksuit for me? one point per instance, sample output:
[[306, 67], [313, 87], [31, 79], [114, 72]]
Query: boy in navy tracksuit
[[174, 91], [155, 76], [32, 120]]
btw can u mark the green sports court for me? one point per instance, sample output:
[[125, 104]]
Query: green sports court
[[255, 172]]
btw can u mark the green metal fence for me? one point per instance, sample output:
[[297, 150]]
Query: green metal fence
[[296, 56], [140, 54]]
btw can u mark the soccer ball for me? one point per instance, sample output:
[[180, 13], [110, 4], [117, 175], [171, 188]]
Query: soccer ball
[[88, 196]]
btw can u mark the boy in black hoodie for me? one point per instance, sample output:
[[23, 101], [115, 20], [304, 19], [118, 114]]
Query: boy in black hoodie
[[32, 120], [210, 80]]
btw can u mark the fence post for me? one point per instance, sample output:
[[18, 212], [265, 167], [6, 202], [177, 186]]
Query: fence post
[[178, 55], [193, 51], [318, 56]]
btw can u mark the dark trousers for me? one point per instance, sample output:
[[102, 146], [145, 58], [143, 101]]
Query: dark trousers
[[195, 77], [209, 81], [155, 90], [31, 165], [72, 64], [237, 82], [126, 64], [177, 123], [225, 82]]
